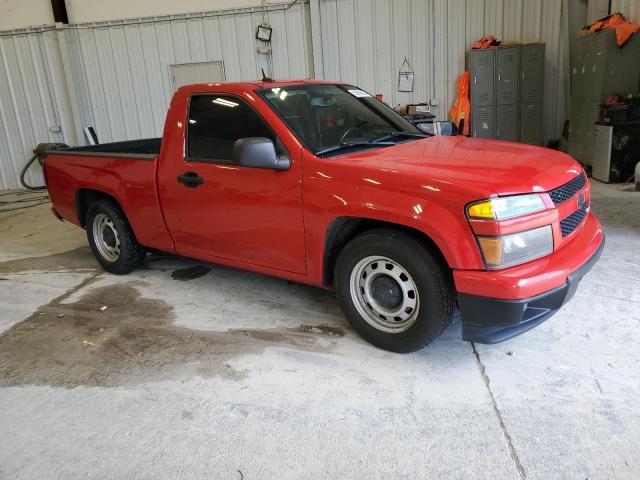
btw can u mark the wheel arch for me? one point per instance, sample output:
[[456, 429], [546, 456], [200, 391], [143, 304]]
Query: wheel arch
[[85, 197], [343, 229]]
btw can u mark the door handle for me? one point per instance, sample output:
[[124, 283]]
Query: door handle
[[190, 179]]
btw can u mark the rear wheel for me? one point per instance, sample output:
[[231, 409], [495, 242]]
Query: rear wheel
[[395, 292], [111, 239]]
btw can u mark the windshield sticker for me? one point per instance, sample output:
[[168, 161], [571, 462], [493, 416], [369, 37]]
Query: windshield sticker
[[358, 93]]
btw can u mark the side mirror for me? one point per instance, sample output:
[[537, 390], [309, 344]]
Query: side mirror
[[258, 152]]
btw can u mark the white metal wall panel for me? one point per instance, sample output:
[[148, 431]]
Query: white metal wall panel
[[385, 79], [512, 20], [364, 37], [422, 34], [28, 107], [330, 40], [126, 64], [347, 38], [438, 44], [630, 8], [401, 44], [364, 42], [531, 19], [120, 70], [493, 17], [475, 13], [554, 69], [118, 73], [597, 9]]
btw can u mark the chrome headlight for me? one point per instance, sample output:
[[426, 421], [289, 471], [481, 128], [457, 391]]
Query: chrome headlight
[[508, 250], [502, 208]]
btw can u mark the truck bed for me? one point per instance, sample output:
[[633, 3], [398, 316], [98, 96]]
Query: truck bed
[[126, 171], [145, 148]]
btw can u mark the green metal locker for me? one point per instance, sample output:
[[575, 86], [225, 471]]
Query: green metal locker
[[612, 69], [504, 81], [531, 123], [531, 72], [579, 66], [507, 122], [483, 122], [598, 68], [508, 70], [482, 72]]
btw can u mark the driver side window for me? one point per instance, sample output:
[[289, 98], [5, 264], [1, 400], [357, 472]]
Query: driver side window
[[215, 123]]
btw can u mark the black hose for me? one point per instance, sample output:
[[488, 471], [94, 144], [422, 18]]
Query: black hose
[[39, 153], [24, 172]]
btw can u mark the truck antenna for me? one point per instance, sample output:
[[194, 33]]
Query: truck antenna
[[265, 78]]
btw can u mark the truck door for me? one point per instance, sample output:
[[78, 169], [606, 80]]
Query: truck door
[[216, 209]]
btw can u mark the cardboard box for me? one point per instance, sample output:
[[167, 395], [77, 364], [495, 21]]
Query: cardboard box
[[401, 110], [418, 109]]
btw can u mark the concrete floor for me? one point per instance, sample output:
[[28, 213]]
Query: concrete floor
[[187, 370]]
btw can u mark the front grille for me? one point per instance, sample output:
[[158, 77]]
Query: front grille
[[570, 223], [568, 190]]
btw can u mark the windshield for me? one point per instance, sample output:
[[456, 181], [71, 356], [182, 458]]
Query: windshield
[[331, 118]]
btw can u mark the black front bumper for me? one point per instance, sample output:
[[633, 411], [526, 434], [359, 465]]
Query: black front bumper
[[493, 320]]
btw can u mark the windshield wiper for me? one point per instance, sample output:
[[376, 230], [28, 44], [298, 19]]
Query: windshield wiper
[[348, 145], [400, 133]]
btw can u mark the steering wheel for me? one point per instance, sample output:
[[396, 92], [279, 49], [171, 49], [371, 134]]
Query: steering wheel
[[349, 131]]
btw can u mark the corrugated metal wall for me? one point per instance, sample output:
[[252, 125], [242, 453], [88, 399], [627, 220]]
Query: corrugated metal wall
[[118, 73], [600, 8], [115, 75], [123, 67], [365, 43], [630, 8], [30, 110]]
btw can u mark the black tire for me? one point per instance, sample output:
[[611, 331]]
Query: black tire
[[427, 272], [131, 253]]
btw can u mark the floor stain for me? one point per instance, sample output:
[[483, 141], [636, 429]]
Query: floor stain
[[190, 273], [132, 341], [323, 329], [73, 260]]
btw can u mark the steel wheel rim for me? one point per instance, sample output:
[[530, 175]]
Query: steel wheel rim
[[390, 319], [106, 237]]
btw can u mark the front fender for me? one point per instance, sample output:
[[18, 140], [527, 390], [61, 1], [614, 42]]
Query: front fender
[[443, 222]]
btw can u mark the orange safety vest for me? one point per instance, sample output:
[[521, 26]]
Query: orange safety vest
[[461, 108], [623, 28]]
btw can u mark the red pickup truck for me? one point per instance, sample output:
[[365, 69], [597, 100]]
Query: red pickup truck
[[320, 183]]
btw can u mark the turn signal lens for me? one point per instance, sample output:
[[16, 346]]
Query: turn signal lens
[[508, 250], [502, 208], [491, 250], [481, 210]]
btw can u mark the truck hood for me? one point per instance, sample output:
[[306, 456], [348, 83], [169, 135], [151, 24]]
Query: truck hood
[[489, 167]]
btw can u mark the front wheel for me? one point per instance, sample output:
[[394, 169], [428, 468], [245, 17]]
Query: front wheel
[[395, 292], [111, 239]]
